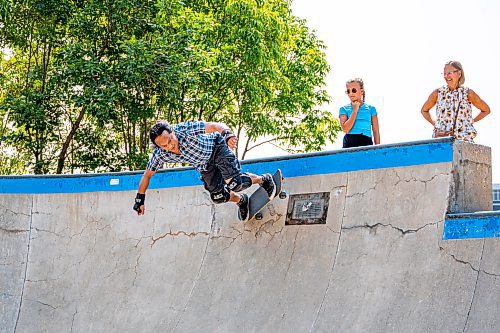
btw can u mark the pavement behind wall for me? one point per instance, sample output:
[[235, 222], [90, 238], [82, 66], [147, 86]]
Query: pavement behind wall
[[75, 257]]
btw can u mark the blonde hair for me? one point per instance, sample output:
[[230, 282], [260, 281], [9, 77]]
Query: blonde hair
[[361, 84], [457, 65]]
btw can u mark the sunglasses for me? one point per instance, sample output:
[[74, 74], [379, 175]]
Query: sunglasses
[[354, 90], [452, 72]]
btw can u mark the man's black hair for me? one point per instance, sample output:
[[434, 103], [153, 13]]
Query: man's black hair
[[157, 129]]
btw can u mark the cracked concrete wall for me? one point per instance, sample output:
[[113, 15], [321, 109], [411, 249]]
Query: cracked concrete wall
[[94, 266], [15, 219], [470, 190], [391, 274], [263, 276], [483, 315], [378, 264]]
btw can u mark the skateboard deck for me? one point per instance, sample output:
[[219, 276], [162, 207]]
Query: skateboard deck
[[259, 199]]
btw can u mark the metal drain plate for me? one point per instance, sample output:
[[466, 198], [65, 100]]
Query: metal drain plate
[[308, 208]]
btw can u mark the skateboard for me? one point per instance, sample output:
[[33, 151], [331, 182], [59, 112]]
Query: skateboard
[[259, 199]]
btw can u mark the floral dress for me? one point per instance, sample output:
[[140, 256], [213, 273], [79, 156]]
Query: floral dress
[[448, 103]]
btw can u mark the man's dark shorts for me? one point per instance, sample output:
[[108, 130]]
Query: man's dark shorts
[[222, 165]]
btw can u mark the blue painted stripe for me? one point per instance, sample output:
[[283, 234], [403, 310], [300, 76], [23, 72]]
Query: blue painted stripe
[[485, 226], [366, 158]]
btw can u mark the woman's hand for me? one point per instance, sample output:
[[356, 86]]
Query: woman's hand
[[355, 106]]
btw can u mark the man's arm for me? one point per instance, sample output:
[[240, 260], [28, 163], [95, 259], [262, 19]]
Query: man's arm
[[223, 129], [141, 192], [211, 127]]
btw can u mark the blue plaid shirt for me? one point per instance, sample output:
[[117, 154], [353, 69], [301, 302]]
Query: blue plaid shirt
[[195, 147]]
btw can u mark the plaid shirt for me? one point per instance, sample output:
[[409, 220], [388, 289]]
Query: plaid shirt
[[195, 147]]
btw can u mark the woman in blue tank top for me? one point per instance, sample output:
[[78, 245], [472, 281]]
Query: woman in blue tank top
[[358, 119]]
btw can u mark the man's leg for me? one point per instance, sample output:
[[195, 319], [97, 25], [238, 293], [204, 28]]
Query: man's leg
[[215, 185], [245, 180], [219, 192], [229, 166], [242, 200], [266, 181]]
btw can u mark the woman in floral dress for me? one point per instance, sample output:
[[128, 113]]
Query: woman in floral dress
[[454, 106]]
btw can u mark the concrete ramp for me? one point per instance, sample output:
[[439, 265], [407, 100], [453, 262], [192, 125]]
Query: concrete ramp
[[74, 257]]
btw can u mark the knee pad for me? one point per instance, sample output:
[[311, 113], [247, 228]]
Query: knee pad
[[220, 196], [239, 183]]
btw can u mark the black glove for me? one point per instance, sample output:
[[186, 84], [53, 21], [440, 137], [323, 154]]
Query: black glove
[[227, 134], [139, 201]]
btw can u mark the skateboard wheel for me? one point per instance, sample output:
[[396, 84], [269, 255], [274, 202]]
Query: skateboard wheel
[[283, 195], [258, 216]]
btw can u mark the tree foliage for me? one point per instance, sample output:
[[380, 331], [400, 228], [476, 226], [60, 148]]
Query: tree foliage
[[86, 79]]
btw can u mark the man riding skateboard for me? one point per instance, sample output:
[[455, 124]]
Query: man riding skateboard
[[206, 146]]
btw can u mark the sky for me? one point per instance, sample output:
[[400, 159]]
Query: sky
[[399, 48]]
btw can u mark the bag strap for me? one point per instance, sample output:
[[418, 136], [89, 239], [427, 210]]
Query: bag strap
[[460, 98]]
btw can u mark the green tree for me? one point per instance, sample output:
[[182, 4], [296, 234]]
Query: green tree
[[32, 29], [88, 78], [69, 57], [99, 79], [255, 66]]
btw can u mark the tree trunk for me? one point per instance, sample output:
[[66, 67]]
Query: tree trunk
[[64, 150]]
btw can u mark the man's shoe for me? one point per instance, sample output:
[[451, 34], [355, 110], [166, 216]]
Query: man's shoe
[[243, 207], [269, 185]]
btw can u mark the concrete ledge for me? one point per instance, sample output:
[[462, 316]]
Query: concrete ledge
[[472, 225], [335, 161]]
